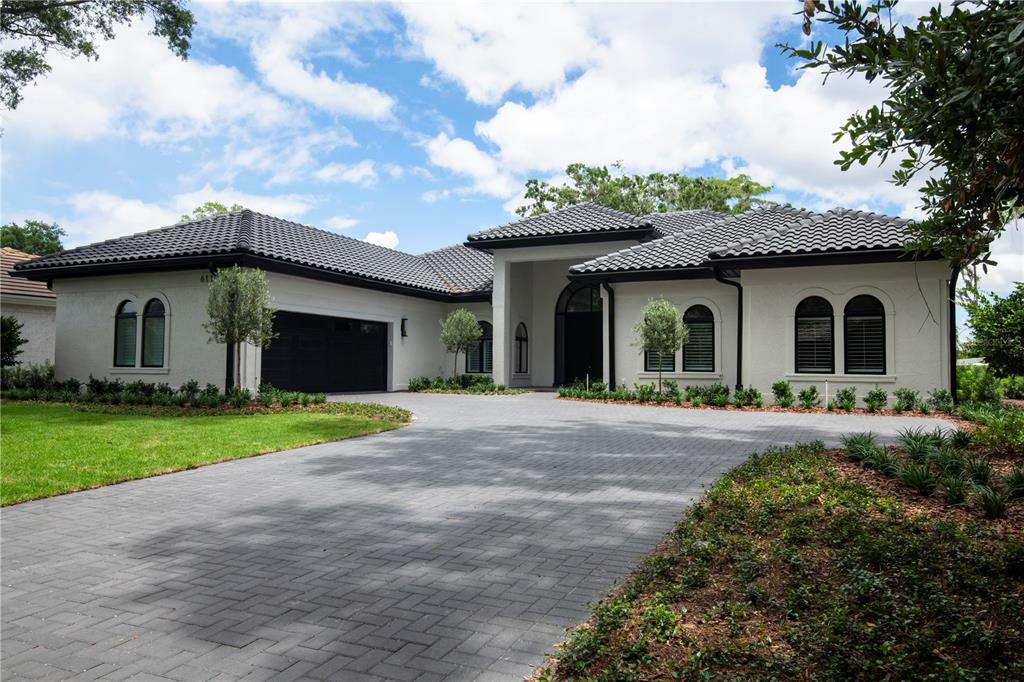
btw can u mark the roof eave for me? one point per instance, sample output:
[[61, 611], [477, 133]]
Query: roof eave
[[806, 259], [558, 239], [650, 274]]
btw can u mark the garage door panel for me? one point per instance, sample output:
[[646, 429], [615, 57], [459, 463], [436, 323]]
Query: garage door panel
[[317, 353]]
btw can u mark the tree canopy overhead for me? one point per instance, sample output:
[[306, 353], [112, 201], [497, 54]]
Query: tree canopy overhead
[[642, 194], [32, 28], [954, 110], [208, 209], [34, 236]]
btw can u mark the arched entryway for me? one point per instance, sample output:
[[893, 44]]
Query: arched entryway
[[579, 332]]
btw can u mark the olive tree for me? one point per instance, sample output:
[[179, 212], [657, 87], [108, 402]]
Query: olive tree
[[240, 311], [660, 330], [459, 332]]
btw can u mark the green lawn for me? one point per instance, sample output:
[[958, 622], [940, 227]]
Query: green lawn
[[48, 449]]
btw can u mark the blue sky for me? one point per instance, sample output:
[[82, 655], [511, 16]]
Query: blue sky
[[413, 125]]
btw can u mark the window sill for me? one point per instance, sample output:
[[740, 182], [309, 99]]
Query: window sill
[[680, 375], [140, 370], [845, 378]]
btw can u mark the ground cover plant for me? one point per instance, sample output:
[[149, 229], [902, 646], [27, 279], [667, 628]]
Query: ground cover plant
[[52, 448], [462, 383], [787, 569]]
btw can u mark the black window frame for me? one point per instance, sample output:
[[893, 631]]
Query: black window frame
[[146, 314], [486, 342], [522, 349], [709, 319], [846, 335], [121, 316], [831, 335], [650, 354]]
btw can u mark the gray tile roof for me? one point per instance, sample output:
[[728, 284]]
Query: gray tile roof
[[255, 233], [463, 268], [689, 248], [838, 230], [577, 219], [678, 221]]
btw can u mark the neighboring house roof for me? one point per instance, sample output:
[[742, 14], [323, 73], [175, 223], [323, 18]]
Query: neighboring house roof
[[575, 223], [678, 221], [246, 233], [17, 286], [836, 231], [689, 248]]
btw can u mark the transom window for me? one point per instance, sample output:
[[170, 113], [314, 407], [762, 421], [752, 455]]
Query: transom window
[[125, 331], [864, 335], [522, 349], [153, 321], [479, 359], [815, 344], [699, 350]]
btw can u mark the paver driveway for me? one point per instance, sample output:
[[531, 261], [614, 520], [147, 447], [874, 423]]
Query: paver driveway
[[458, 547]]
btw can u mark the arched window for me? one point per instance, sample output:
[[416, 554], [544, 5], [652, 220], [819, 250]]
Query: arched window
[[864, 335], [125, 330], [815, 344], [699, 351], [522, 349], [480, 357], [153, 321]]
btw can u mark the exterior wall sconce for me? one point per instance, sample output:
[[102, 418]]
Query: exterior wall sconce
[[404, 332]]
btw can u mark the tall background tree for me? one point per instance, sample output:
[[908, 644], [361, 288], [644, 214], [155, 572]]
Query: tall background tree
[[660, 330], [642, 194], [210, 208], [11, 340], [31, 29], [34, 236], [240, 311], [953, 110], [459, 332], [998, 326]]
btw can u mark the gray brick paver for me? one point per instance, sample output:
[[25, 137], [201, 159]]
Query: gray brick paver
[[459, 547]]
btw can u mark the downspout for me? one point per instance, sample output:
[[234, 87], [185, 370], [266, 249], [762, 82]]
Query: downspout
[[739, 324], [952, 332], [611, 334]]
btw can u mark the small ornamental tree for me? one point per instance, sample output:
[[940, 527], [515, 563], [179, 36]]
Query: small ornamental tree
[[459, 332], [660, 330], [998, 326], [11, 340], [240, 311]]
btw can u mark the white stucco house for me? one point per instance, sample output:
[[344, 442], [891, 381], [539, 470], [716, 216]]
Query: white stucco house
[[773, 293], [32, 304]]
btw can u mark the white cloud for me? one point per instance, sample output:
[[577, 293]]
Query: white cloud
[[1008, 253], [340, 222], [283, 159], [363, 173], [138, 88], [464, 158], [386, 239], [394, 171]]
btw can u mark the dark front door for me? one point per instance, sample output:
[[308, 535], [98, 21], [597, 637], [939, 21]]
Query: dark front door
[[579, 335], [316, 353]]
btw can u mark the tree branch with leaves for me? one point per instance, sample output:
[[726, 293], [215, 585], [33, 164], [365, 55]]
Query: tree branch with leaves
[[240, 311], [660, 330]]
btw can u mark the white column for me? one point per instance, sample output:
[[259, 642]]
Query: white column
[[501, 308]]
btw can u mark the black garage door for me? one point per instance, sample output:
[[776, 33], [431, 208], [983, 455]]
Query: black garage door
[[315, 353]]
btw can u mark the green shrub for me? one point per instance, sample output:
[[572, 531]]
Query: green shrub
[[916, 443], [954, 488], [859, 446], [809, 397], [846, 398], [919, 477], [876, 400], [978, 470], [1003, 429], [645, 392], [1012, 387], [884, 461], [976, 384], [905, 399], [941, 400], [748, 396], [990, 501], [417, 384], [1015, 482], [783, 392], [239, 397]]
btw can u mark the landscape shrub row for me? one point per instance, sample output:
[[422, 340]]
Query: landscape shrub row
[[462, 383], [37, 382], [977, 384], [719, 395], [938, 462]]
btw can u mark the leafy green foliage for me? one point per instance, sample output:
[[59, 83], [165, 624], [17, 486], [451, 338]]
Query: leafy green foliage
[[660, 330], [905, 399], [459, 332], [716, 394], [749, 396], [976, 384], [11, 340], [919, 477], [940, 399], [876, 400], [34, 236], [783, 392], [951, 110], [954, 488], [208, 209], [998, 327], [240, 310], [854, 586], [846, 398], [462, 383], [809, 397], [31, 29], [642, 194], [991, 501]]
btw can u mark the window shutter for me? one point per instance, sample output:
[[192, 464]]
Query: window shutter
[[814, 349], [865, 345], [488, 356], [473, 359], [652, 363], [699, 351], [124, 341]]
